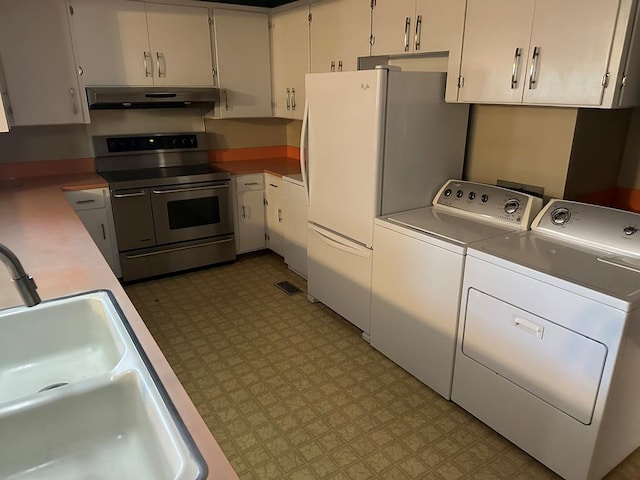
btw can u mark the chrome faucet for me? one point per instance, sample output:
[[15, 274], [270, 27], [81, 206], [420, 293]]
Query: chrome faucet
[[24, 283]]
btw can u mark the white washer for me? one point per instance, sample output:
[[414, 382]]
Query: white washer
[[548, 350], [418, 260]]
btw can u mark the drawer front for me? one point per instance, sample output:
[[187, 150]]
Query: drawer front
[[86, 199], [252, 181], [273, 183]]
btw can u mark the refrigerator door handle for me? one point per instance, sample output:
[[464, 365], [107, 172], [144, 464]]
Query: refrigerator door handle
[[304, 161], [361, 252]]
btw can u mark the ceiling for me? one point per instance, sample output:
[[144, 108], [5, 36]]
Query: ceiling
[[256, 3]]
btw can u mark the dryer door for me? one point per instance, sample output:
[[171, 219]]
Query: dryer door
[[557, 365]]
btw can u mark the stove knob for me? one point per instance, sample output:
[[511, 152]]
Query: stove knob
[[511, 206], [484, 198], [629, 230], [472, 195], [459, 193], [560, 216], [447, 192]]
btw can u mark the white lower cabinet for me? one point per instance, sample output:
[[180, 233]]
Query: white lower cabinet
[[274, 213], [249, 212], [295, 226], [93, 207]]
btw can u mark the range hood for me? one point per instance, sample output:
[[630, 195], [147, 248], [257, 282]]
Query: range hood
[[150, 97]]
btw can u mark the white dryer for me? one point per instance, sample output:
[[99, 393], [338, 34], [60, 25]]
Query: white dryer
[[418, 261], [548, 350]]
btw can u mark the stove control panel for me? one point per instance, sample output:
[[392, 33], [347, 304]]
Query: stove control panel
[[113, 145], [590, 224], [497, 203]]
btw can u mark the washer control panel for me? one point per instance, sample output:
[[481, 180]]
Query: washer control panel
[[496, 203], [596, 225]]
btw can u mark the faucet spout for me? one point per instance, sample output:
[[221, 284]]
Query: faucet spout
[[24, 283]]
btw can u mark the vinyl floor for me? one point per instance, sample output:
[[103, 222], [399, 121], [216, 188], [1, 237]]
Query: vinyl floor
[[291, 391]]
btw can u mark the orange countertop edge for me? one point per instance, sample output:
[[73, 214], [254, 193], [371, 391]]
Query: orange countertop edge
[[54, 247]]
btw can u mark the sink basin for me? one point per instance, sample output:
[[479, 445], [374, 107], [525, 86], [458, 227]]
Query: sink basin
[[56, 343], [105, 432], [79, 398]]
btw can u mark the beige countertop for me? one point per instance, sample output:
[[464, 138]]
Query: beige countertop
[[44, 232]]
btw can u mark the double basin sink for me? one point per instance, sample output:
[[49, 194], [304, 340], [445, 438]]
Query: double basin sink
[[79, 398]]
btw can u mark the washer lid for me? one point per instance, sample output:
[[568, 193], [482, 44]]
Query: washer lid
[[459, 229], [593, 273]]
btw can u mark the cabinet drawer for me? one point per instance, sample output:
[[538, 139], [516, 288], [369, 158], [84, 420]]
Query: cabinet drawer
[[273, 183], [252, 181], [86, 199]]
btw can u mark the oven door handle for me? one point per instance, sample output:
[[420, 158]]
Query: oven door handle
[[177, 249], [127, 195], [178, 190]]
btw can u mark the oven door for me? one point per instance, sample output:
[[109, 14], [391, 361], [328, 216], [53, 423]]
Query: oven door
[[192, 211]]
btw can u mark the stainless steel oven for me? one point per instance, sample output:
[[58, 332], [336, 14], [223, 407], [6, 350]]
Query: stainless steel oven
[[172, 210]]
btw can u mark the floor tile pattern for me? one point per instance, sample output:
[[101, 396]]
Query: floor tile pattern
[[291, 391]]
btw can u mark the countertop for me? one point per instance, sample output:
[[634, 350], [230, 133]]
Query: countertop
[[44, 232], [279, 166]]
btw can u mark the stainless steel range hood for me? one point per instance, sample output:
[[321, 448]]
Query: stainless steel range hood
[[150, 97]]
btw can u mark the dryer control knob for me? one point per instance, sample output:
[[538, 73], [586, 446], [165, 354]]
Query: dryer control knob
[[511, 206], [560, 216], [629, 230], [459, 193]]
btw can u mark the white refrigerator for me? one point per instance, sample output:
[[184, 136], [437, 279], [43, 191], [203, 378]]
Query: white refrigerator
[[373, 142]]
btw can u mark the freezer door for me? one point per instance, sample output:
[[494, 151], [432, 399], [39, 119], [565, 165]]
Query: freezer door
[[345, 124], [340, 275]]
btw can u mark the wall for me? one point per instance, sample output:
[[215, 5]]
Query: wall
[[246, 133], [530, 145]]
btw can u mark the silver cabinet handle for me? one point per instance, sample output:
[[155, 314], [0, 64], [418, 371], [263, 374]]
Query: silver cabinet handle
[[516, 68], [273, 185], [72, 92], [333, 65], [81, 202], [244, 214], [250, 183], [418, 32], [279, 215], [293, 99], [407, 27], [104, 233], [340, 65], [148, 64], [288, 99], [80, 70], [127, 195], [226, 99], [179, 190], [533, 74], [162, 64]]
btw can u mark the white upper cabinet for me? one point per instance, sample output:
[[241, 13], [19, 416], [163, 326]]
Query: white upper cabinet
[[121, 42], [545, 52], [290, 53], [4, 126], [340, 32], [37, 56], [417, 26], [243, 68]]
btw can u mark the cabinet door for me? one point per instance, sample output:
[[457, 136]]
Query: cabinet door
[[295, 227], [37, 56], [393, 27], [290, 51], [569, 54], [180, 45], [4, 126], [111, 43], [439, 26], [340, 34], [275, 222], [97, 224], [243, 67], [251, 227], [495, 50]]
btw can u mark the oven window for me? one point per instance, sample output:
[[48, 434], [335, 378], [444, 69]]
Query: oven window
[[196, 212]]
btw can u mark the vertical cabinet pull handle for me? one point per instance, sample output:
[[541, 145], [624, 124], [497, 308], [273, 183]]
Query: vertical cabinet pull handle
[[226, 99], [72, 92], [279, 215], [80, 70], [148, 65], [516, 68], [407, 27], [418, 32], [293, 99], [288, 99], [340, 66], [244, 213], [104, 233], [333, 65], [533, 74], [162, 64]]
